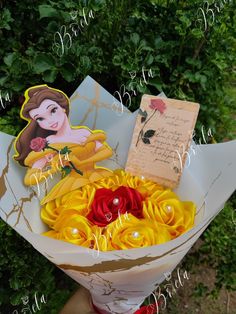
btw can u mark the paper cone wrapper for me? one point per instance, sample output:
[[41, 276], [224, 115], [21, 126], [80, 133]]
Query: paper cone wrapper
[[118, 281]]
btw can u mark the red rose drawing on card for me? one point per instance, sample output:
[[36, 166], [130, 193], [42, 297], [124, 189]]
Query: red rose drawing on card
[[157, 105]]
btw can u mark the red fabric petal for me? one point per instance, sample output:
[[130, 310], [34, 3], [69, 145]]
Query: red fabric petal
[[148, 309], [104, 211]]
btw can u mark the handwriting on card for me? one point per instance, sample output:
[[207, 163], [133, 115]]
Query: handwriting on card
[[162, 131]]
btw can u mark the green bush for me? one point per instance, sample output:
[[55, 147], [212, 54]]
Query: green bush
[[187, 60], [24, 272], [218, 249]]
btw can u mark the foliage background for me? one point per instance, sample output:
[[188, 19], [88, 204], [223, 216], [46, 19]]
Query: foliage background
[[188, 62]]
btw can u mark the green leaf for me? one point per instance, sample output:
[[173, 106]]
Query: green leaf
[[46, 10], [135, 38], [43, 62], [50, 75], [142, 113], [157, 83], [197, 33], [146, 140], [65, 150], [149, 133], [9, 58], [150, 60], [5, 18], [52, 27], [143, 119], [3, 80], [68, 73], [18, 86], [85, 62], [66, 170]]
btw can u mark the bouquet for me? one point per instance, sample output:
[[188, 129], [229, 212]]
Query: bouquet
[[119, 263]]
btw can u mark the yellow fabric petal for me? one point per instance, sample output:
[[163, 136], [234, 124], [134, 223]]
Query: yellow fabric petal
[[130, 232], [165, 216]]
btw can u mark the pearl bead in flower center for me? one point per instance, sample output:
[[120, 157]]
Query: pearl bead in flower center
[[74, 231], [115, 201], [169, 209], [135, 234]]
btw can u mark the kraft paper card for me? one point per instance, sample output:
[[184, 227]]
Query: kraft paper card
[[161, 139]]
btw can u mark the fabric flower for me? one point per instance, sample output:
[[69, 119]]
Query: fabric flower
[[129, 232], [108, 205], [72, 228], [148, 309], [167, 209], [38, 143], [148, 214], [77, 200], [122, 178], [158, 104]]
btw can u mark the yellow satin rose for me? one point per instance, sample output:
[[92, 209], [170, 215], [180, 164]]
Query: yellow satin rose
[[73, 228], [78, 200], [165, 216], [121, 178], [99, 241], [129, 232], [81, 199], [167, 209]]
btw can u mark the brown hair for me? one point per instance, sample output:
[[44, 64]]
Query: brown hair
[[34, 97]]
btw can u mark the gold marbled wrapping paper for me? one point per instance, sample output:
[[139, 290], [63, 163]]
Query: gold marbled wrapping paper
[[118, 281]]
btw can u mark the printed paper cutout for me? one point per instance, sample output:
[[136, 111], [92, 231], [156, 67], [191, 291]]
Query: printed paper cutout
[[161, 139], [95, 107], [49, 144]]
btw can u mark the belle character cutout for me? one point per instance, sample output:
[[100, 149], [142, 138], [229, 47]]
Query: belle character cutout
[[49, 144]]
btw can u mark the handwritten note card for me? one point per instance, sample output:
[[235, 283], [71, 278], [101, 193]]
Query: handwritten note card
[[161, 139]]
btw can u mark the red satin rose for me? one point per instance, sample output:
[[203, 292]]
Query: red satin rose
[[38, 143], [158, 104], [108, 205], [148, 309]]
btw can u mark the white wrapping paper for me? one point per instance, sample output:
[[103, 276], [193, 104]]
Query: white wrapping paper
[[119, 281]]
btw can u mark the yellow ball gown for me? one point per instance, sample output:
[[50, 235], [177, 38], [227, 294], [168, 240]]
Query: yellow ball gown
[[83, 156]]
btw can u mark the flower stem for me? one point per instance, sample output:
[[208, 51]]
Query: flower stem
[[77, 170], [56, 150], [70, 162], [144, 126]]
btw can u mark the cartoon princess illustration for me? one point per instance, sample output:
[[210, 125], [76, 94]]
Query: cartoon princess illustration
[[49, 144]]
